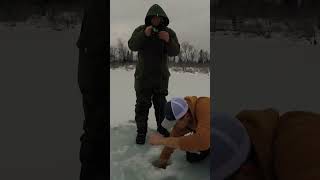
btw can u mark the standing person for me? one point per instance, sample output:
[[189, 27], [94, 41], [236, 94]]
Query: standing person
[[188, 115], [154, 41], [93, 73]]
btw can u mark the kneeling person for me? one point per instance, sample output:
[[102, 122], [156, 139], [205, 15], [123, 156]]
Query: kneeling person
[[190, 117]]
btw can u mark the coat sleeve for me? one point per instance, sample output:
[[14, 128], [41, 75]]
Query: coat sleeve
[[173, 46], [200, 140], [167, 151], [137, 39]]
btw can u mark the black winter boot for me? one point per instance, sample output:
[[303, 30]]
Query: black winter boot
[[141, 138]]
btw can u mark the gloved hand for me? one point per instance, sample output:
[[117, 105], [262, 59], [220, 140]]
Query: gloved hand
[[160, 163]]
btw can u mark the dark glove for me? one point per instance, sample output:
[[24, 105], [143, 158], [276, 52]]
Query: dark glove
[[160, 164], [163, 131]]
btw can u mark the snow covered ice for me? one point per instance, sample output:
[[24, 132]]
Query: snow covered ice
[[131, 161]]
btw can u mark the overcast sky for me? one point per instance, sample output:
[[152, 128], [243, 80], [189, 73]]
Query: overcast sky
[[190, 19]]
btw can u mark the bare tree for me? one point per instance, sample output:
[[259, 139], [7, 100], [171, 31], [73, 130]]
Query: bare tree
[[180, 57], [201, 58], [188, 51], [193, 54], [129, 57], [113, 54], [206, 57], [184, 49], [122, 50]]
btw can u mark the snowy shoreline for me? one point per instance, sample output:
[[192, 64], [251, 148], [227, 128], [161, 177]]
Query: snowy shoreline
[[122, 92]]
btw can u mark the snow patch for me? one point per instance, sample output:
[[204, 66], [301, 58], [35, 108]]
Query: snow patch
[[132, 161]]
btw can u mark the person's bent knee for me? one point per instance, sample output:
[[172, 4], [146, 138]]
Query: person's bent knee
[[195, 157]]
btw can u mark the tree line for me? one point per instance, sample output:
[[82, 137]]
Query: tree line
[[295, 18], [20, 10], [266, 8], [189, 55]]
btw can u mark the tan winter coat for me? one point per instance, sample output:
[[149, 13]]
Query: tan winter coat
[[287, 146], [200, 125]]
